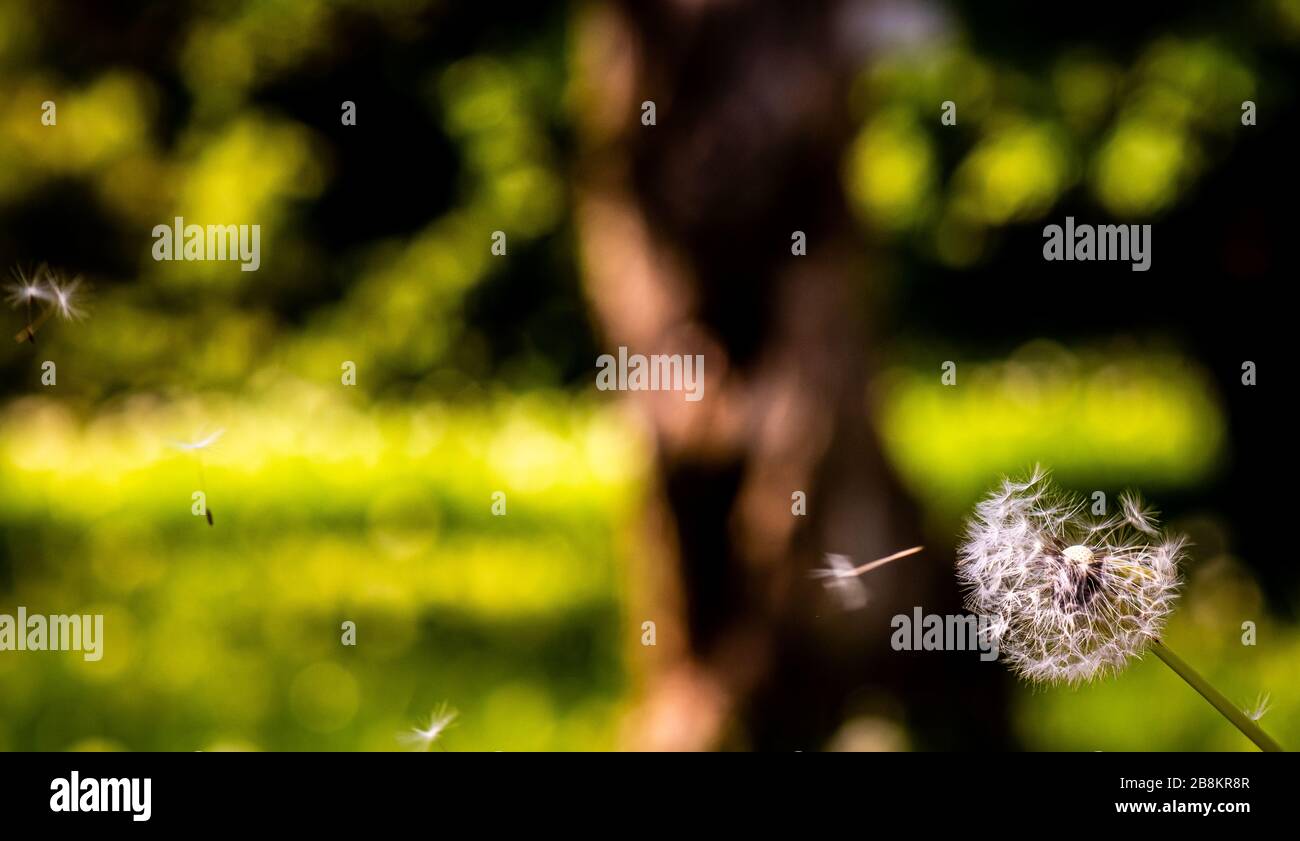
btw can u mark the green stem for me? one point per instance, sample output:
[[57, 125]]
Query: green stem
[[1249, 728]]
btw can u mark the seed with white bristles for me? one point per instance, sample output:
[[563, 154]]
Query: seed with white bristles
[[424, 737]]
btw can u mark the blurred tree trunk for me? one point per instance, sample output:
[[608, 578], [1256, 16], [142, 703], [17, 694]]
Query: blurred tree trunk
[[686, 233]]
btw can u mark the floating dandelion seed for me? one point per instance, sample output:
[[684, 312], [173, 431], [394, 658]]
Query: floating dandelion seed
[[838, 577], [843, 579], [200, 443], [61, 297], [197, 446], [66, 297], [424, 737], [1263, 703], [1073, 597], [23, 290]]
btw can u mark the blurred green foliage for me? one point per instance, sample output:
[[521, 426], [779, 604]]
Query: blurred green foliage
[[370, 504], [1137, 136], [230, 635], [373, 503], [1099, 419]]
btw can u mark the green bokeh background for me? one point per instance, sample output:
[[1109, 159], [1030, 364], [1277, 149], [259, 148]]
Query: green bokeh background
[[373, 503]]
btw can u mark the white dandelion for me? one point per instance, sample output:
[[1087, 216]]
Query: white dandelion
[[60, 297], [1263, 703], [839, 578], [24, 290], [844, 579], [200, 443], [424, 737], [197, 445], [66, 296], [1072, 596]]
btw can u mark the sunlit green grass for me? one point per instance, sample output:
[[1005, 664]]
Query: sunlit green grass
[[1099, 419], [229, 636], [329, 508]]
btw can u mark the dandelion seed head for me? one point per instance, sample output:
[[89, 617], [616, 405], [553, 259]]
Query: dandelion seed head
[[1071, 596]]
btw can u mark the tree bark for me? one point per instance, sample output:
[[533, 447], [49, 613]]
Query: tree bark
[[685, 229]]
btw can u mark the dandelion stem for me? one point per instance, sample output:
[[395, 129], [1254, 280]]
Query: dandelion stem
[[28, 333], [203, 486], [1240, 720]]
